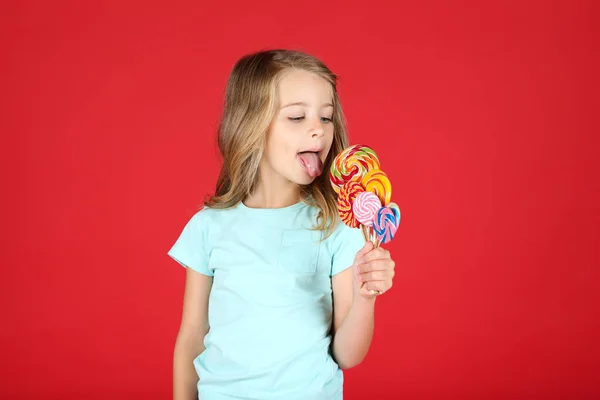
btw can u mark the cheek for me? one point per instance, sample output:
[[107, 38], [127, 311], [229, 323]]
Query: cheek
[[329, 137], [330, 133], [281, 143], [284, 148]]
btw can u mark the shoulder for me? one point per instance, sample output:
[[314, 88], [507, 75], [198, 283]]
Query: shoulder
[[207, 221], [200, 220], [342, 245], [204, 215], [207, 215]]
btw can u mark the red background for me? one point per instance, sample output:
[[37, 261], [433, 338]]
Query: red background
[[480, 113]]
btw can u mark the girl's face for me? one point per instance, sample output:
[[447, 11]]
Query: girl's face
[[301, 133]]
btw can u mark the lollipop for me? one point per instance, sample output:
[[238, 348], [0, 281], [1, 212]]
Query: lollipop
[[365, 193], [348, 194], [365, 207], [376, 181], [351, 165], [386, 223]]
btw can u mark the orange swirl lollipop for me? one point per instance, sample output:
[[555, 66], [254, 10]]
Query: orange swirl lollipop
[[348, 194], [376, 181], [351, 165]]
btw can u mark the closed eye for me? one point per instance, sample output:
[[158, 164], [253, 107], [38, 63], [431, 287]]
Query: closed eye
[[298, 119]]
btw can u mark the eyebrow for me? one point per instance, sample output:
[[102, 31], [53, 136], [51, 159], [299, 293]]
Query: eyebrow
[[301, 103]]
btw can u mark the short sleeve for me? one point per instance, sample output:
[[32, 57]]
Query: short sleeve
[[346, 242], [192, 248]]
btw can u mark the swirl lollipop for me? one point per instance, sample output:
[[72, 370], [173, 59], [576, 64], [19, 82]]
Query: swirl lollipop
[[365, 207], [348, 193], [351, 165], [385, 224], [376, 181]]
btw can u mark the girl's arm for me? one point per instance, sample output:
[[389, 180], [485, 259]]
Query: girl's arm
[[190, 339], [353, 321], [354, 305]]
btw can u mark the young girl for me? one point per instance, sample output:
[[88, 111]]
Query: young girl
[[279, 294]]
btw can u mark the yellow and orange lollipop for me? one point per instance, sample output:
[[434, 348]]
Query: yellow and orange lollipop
[[351, 165], [376, 181]]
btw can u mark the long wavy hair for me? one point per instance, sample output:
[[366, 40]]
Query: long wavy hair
[[250, 105]]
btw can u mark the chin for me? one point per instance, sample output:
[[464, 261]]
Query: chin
[[303, 179]]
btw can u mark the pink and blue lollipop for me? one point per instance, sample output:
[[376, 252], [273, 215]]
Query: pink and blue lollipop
[[386, 223]]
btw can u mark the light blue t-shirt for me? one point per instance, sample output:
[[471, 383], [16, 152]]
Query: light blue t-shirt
[[270, 306]]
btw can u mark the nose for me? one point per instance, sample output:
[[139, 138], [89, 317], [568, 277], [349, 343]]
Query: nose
[[317, 129]]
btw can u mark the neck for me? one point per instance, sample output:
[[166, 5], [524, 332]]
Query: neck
[[273, 191]]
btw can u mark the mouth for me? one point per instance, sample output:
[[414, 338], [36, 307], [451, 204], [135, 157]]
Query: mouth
[[317, 151]]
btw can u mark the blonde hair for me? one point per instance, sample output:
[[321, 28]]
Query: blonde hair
[[250, 98]]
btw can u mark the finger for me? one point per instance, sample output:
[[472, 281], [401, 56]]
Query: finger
[[376, 265], [381, 286], [365, 250], [376, 254], [380, 275], [372, 293]]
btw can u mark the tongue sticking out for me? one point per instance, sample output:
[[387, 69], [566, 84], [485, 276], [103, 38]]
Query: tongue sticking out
[[312, 163]]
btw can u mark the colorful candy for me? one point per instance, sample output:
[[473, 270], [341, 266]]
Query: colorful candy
[[385, 224], [347, 196], [365, 207], [364, 194], [351, 165], [376, 181]]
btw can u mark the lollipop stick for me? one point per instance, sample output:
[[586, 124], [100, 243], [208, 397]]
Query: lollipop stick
[[364, 232]]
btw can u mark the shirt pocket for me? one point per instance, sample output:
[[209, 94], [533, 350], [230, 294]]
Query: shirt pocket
[[299, 251]]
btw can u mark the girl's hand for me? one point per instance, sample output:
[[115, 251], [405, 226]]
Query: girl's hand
[[373, 271]]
